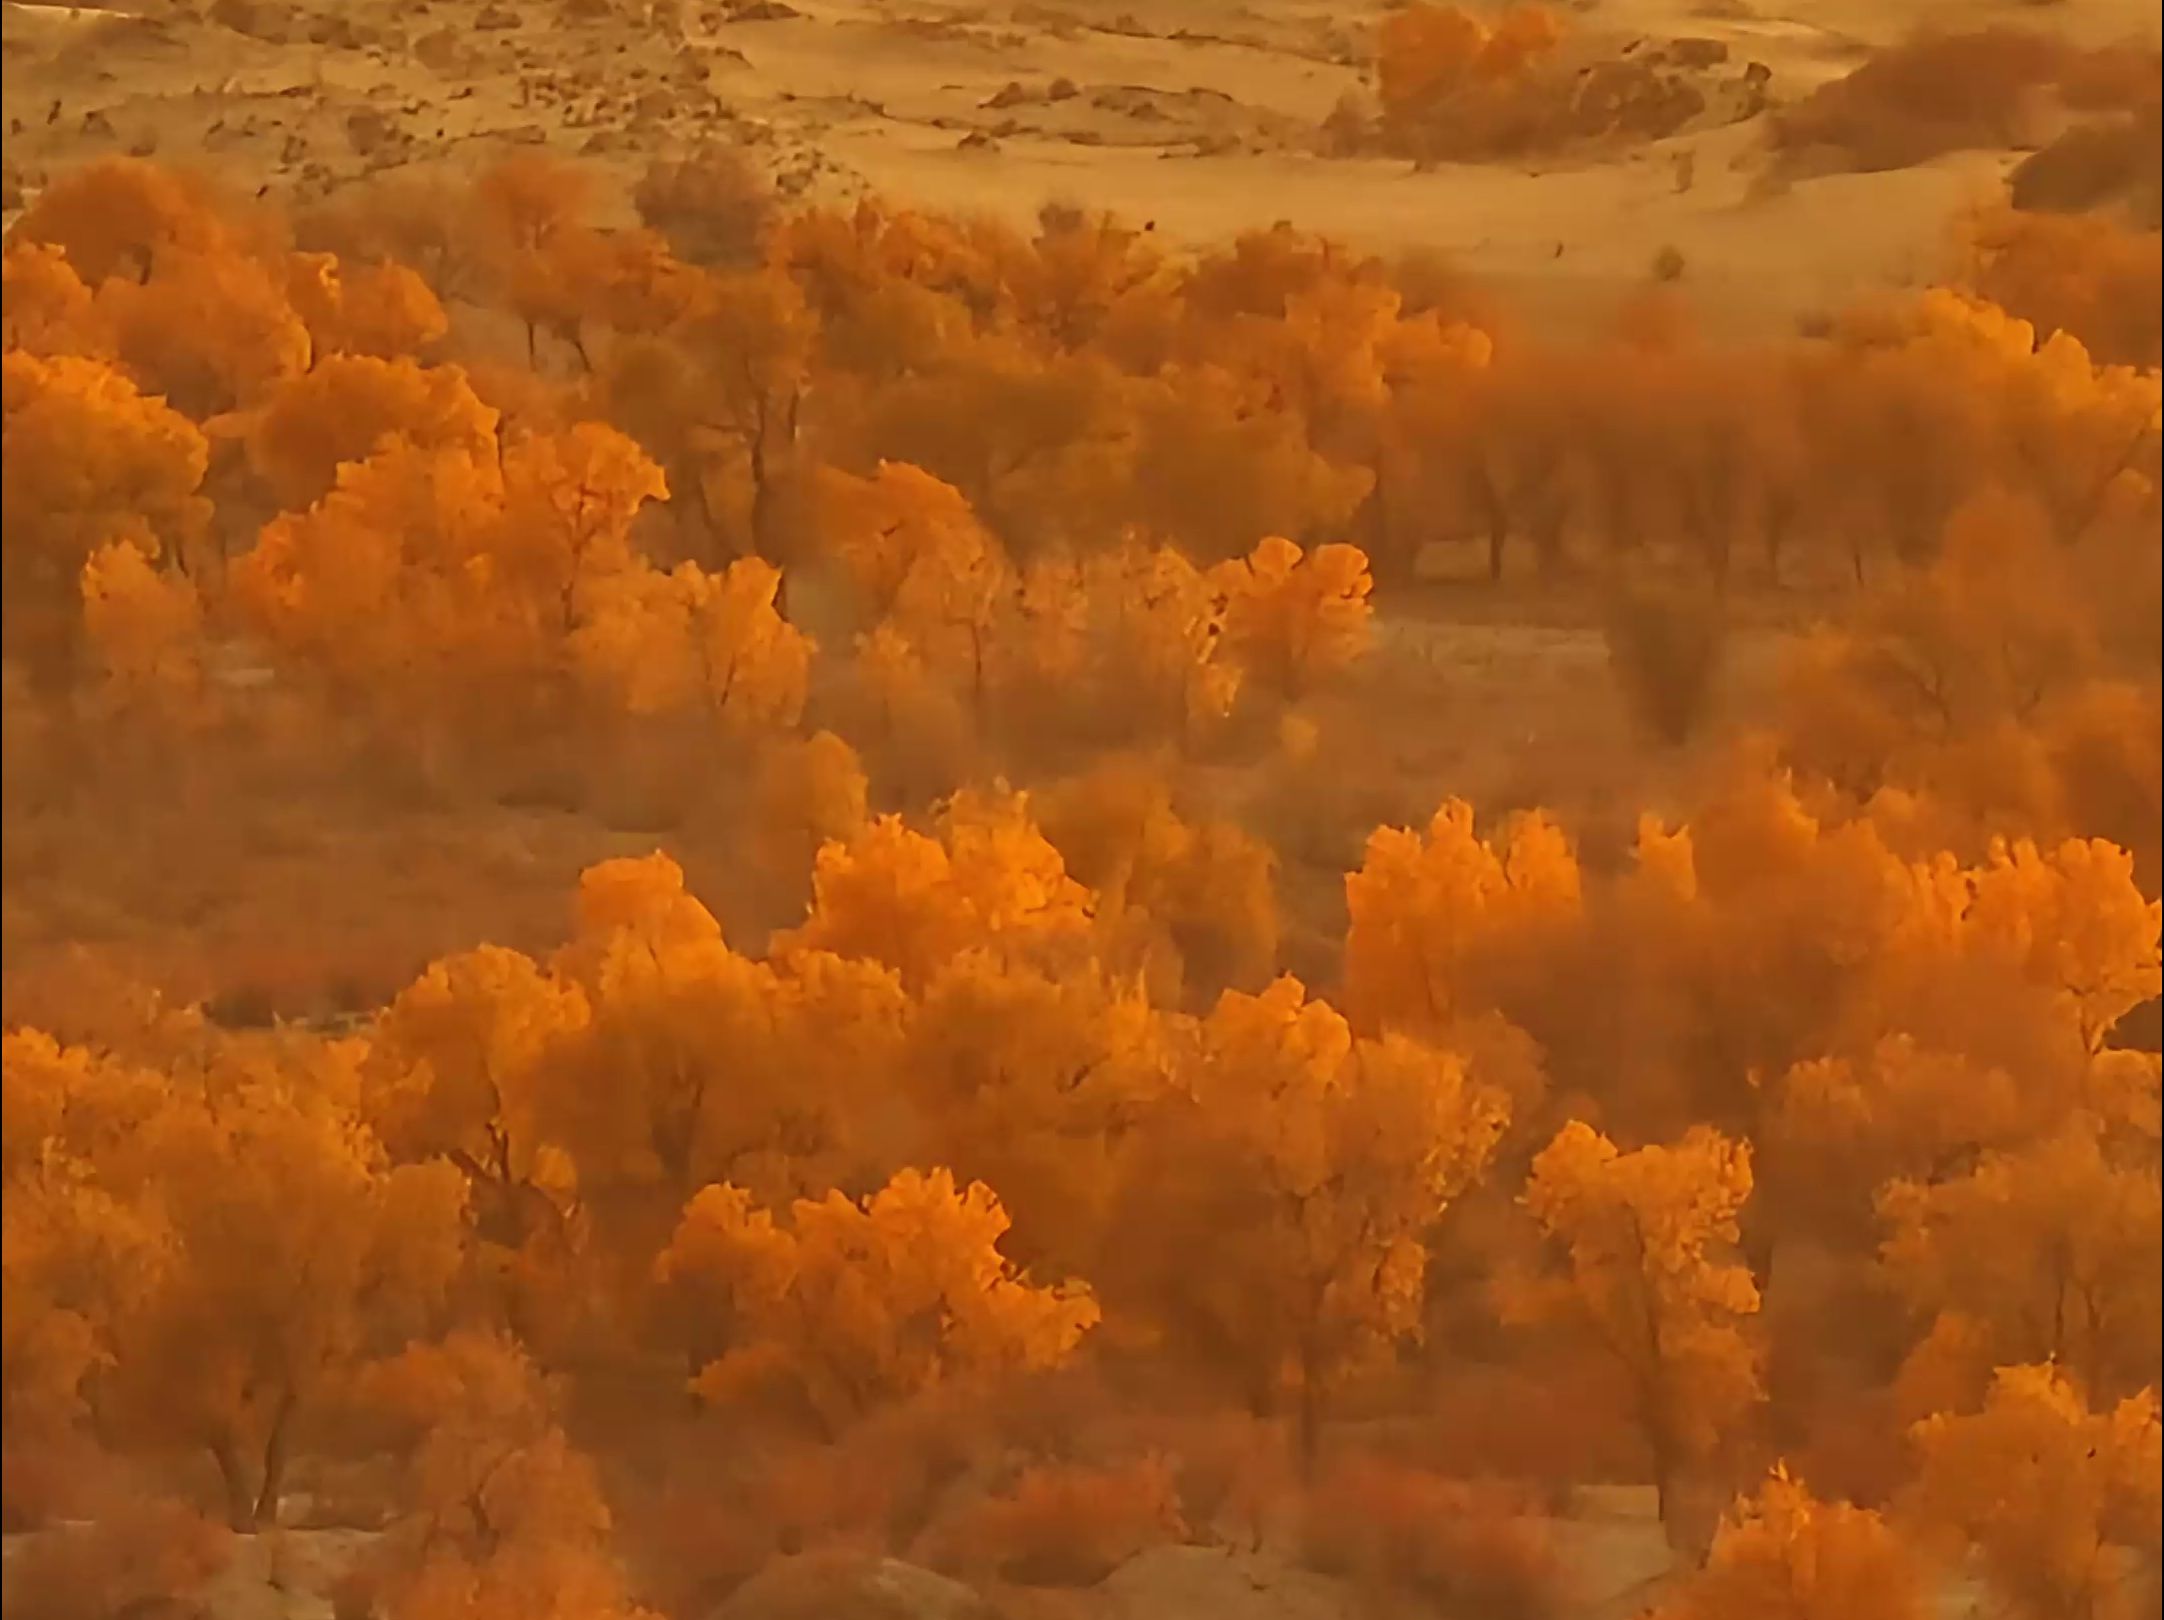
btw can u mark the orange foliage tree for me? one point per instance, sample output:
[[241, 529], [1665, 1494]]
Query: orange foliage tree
[[851, 1304], [89, 460], [212, 331], [507, 1518], [2048, 1251], [1781, 1551], [1311, 1166], [45, 306], [914, 902], [700, 1064], [126, 218], [1202, 890], [274, 1249], [1217, 475], [1647, 1238], [459, 1069], [1042, 1082], [382, 311], [1442, 922], [1439, 72], [2056, 1496], [340, 410], [1294, 620]]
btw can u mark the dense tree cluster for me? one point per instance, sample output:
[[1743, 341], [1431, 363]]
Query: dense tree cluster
[[959, 556]]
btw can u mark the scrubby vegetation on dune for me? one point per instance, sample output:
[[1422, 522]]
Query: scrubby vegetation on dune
[[1986, 89], [903, 993]]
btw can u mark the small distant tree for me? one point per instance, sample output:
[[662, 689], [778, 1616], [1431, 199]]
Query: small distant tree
[[124, 217], [1665, 649], [914, 902], [1782, 1552], [1294, 619], [507, 1520], [347, 404], [713, 206], [1442, 919]]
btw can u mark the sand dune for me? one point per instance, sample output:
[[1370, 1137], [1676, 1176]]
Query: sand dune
[[1201, 118]]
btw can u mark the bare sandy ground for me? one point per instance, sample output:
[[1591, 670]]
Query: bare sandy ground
[[1199, 115], [1617, 1557]]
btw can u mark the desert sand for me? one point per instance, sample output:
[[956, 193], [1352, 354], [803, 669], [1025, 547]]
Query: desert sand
[[1200, 119]]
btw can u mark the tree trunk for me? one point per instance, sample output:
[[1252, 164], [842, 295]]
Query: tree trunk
[[239, 1502], [274, 1464], [1777, 520], [775, 429], [1307, 1417], [1667, 1471], [762, 498], [1497, 512], [1309, 1431]]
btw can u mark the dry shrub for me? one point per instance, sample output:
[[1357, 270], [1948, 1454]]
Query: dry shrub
[[1664, 646], [1428, 282], [693, 1542], [1455, 1546], [713, 207], [1455, 87], [409, 220], [2113, 78], [2111, 160], [1548, 1421], [689, 1548], [1933, 94], [1233, 1472], [694, 1533], [138, 1552], [1063, 1524], [2079, 274], [44, 1477], [1858, 1450]]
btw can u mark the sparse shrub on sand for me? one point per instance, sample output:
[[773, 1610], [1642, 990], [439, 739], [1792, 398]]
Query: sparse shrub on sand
[[135, 1554], [1984, 90], [1461, 1548], [1064, 1524], [1664, 646]]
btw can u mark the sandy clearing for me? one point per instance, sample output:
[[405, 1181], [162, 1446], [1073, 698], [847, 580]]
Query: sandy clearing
[[1505, 225]]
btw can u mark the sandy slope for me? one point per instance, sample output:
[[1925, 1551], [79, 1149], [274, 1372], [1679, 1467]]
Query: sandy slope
[[1197, 114]]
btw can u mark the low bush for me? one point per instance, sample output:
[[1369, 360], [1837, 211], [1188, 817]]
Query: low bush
[[1459, 1548], [1665, 646], [2107, 162], [42, 1478], [1063, 1524], [2080, 274], [1940, 93], [137, 1553]]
